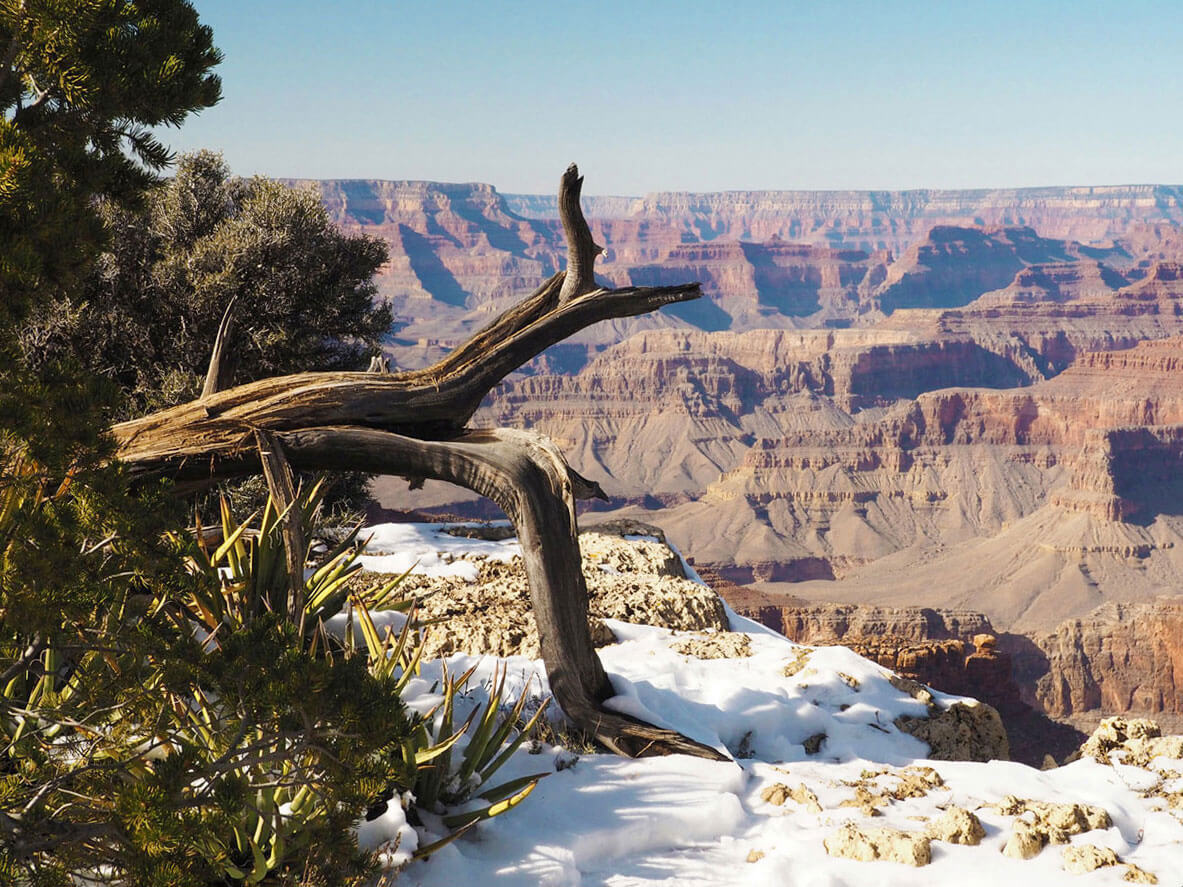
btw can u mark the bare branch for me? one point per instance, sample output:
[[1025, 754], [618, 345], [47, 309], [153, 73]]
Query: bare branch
[[432, 403], [581, 248], [217, 376], [22, 662]]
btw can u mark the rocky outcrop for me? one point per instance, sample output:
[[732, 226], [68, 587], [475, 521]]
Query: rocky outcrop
[[851, 841], [952, 266], [631, 577], [970, 731], [826, 623], [1039, 823], [1131, 741], [1120, 659], [957, 826]]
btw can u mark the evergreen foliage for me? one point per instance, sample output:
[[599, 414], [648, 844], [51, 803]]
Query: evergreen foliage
[[193, 735], [82, 85], [148, 314], [130, 751]]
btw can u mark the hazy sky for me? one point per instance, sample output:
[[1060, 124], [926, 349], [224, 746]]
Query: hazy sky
[[725, 94]]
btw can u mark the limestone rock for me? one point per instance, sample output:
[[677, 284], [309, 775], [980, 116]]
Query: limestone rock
[[893, 845], [1135, 741], [914, 782], [797, 663], [778, 793], [961, 732], [720, 645], [630, 579], [1081, 858], [1025, 842], [1044, 822], [1136, 875], [806, 797], [775, 794], [957, 826]]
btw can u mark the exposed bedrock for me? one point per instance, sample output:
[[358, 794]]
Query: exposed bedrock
[[1121, 658], [951, 650]]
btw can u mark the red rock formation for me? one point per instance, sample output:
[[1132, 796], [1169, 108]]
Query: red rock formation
[[459, 250], [1120, 659]]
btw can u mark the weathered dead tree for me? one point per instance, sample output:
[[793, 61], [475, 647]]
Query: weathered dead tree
[[412, 424]]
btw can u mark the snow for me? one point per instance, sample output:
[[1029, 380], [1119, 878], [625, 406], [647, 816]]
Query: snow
[[598, 819], [396, 548]]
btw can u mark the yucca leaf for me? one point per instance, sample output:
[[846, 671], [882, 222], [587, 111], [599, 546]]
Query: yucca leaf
[[422, 756], [259, 871], [411, 669], [473, 816], [475, 752], [231, 540], [495, 765], [506, 789], [507, 724], [426, 851]]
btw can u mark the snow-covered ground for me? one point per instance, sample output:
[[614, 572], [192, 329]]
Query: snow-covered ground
[[604, 820], [396, 548]]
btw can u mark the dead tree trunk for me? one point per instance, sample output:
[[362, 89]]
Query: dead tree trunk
[[413, 424]]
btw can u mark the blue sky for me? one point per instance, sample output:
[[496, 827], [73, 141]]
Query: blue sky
[[700, 96]]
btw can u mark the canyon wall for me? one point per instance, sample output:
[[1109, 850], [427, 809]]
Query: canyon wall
[[766, 259]]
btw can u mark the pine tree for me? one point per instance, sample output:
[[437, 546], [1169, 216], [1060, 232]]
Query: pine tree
[[83, 83]]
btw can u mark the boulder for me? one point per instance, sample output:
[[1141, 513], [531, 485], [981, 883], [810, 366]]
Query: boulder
[[965, 731], [957, 826], [892, 845], [1081, 858]]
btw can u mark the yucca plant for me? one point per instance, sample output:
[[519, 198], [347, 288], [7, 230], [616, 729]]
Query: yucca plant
[[445, 773], [248, 567]]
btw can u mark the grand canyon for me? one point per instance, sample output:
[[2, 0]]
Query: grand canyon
[[943, 427]]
